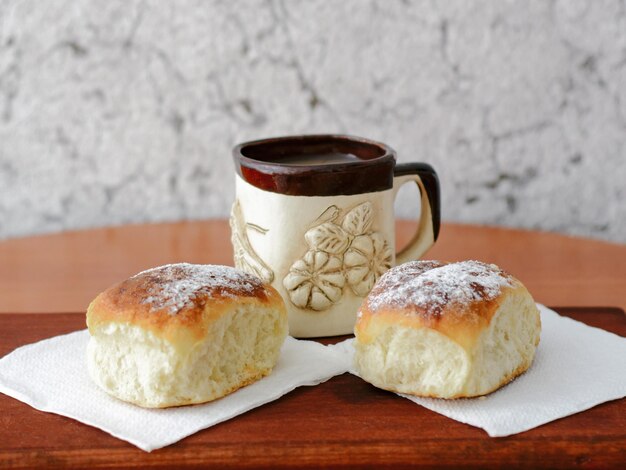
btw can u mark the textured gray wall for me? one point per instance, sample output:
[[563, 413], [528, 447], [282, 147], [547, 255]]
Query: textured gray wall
[[120, 111]]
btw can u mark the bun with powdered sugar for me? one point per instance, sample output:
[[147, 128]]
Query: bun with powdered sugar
[[184, 333], [446, 330]]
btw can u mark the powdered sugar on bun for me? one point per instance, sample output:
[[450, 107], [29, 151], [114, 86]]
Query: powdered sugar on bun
[[427, 287], [173, 287]]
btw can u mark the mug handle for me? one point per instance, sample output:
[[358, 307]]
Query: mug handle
[[430, 214]]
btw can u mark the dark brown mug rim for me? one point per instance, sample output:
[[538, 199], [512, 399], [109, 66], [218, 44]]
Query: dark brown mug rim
[[388, 152], [371, 174]]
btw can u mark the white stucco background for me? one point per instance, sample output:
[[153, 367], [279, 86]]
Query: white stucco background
[[125, 111]]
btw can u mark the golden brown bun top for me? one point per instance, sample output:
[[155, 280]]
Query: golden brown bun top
[[172, 300], [456, 299]]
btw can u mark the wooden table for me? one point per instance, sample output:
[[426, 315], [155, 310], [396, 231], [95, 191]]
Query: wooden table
[[47, 281]]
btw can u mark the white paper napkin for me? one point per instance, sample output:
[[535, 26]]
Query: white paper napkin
[[51, 376], [576, 367]]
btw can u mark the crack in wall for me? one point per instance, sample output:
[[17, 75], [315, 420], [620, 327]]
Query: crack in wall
[[128, 41], [315, 100]]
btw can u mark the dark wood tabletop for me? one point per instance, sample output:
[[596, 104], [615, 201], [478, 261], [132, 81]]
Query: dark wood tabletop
[[47, 281]]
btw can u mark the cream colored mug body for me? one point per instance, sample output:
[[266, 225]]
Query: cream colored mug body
[[305, 221]]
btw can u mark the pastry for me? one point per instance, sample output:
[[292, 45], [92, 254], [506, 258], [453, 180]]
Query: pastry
[[182, 334], [442, 330]]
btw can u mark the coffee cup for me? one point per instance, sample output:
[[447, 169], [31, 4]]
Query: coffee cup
[[314, 216]]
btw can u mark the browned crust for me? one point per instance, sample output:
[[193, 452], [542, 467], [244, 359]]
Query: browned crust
[[125, 302], [413, 270], [463, 323]]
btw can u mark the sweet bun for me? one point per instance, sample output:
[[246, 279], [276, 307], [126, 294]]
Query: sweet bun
[[183, 334], [442, 330]]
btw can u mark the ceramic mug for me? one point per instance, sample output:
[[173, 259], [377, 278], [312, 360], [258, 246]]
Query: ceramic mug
[[314, 216]]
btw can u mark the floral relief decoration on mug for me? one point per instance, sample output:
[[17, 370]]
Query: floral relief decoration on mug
[[246, 258], [340, 252]]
